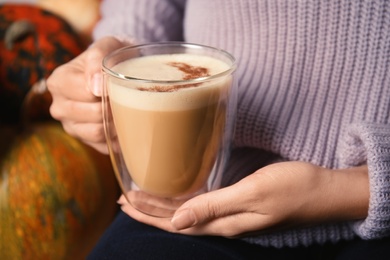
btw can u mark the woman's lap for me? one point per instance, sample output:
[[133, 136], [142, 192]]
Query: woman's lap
[[129, 239]]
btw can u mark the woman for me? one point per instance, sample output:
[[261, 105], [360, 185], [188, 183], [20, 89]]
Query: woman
[[309, 175]]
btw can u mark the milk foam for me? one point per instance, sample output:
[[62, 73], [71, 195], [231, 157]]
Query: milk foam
[[127, 93]]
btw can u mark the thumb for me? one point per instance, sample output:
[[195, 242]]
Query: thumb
[[204, 208], [93, 61]]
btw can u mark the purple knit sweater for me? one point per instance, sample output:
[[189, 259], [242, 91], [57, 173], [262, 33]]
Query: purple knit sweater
[[314, 86]]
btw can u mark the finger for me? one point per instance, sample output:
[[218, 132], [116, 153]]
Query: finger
[[229, 226], [206, 207], [80, 112], [95, 84], [68, 82], [100, 147], [94, 57], [162, 223], [91, 133]]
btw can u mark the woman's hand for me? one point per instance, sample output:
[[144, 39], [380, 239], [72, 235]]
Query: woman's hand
[[277, 196], [76, 90]]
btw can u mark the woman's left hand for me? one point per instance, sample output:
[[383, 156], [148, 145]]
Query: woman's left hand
[[277, 196]]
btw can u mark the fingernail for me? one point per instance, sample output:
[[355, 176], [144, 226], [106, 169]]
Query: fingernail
[[121, 200], [96, 84], [184, 219]]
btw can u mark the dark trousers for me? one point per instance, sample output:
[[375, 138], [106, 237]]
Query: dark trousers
[[129, 239]]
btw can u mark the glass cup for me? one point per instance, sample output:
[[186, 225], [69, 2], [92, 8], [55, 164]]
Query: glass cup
[[169, 112]]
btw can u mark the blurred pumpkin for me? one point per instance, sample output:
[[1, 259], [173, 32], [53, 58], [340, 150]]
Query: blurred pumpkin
[[56, 194], [33, 43]]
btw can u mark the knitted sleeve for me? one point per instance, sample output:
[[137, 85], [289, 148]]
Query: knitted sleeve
[[370, 143], [145, 21]]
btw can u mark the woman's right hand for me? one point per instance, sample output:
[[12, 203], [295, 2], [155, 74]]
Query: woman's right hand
[[76, 90]]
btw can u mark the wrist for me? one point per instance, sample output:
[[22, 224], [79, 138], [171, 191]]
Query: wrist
[[348, 191]]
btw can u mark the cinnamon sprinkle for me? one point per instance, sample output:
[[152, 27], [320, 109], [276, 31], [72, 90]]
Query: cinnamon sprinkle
[[168, 88], [190, 72]]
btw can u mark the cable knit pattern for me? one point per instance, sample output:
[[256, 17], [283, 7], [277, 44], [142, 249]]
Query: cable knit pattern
[[314, 86]]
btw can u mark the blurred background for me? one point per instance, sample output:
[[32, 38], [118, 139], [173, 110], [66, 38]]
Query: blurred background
[[57, 195]]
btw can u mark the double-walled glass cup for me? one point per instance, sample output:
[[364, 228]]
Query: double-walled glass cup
[[169, 112]]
